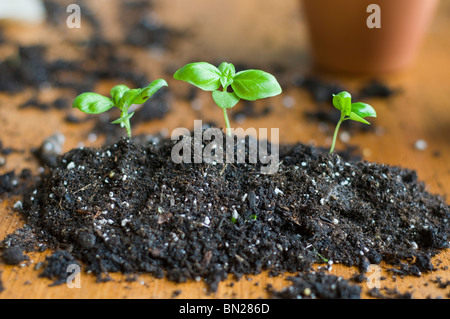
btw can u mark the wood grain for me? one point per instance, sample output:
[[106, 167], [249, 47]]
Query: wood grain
[[419, 111]]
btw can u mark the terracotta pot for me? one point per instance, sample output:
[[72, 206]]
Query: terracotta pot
[[342, 41]]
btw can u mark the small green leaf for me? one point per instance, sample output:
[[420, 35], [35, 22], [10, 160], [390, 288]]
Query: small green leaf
[[343, 102], [122, 120], [356, 117], [92, 103], [363, 110], [255, 84], [225, 100], [228, 71], [201, 74], [148, 91], [117, 92]]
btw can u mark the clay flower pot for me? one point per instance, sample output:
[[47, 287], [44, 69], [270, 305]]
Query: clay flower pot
[[342, 41]]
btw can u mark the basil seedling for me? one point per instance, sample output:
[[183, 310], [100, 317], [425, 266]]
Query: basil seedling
[[121, 97], [350, 111], [248, 85]]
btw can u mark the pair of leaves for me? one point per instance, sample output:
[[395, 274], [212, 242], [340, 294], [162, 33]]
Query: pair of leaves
[[122, 97], [248, 85], [354, 111]]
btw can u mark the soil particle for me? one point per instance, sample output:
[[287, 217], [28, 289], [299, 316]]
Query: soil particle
[[440, 283], [176, 293], [376, 88], [148, 32], [2, 287], [50, 149], [129, 208], [13, 255], [319, 89], [56, 267], [317, 286], [32, 70], [13, 184], [389, 293]]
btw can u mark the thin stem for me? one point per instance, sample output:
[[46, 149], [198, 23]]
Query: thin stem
[[128, 127], [127, 123], [227, 122], [342, 119]]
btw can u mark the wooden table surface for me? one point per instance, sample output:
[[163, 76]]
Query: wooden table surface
[[274, 35]]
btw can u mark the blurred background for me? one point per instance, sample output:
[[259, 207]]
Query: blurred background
[[53, 50]]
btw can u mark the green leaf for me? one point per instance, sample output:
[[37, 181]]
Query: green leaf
[[148, 91], [122, 120], [127, 99], [225, 100], [228, 71], [343, 102], [356, 117], [92, 103], [201, 74], [255, 84], [117, 92], [363, 110]]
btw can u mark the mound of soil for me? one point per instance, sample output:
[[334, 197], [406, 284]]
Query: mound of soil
[[129, 208]]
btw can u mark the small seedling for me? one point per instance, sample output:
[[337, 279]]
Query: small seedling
[[121, 97], [248, 85], [320, 257], [350, 111]]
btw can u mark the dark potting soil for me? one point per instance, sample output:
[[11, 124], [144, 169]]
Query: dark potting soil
[[129, 208]]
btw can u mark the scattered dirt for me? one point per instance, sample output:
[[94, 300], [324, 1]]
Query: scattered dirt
[[317, 285], [13, 255], [100, 60], [13, 184], [56, 267], [387, 293], [1, 283], [129, 208]]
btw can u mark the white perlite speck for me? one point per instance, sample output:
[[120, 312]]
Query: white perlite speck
[[421, 145], [18, 205], [235, 214]]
